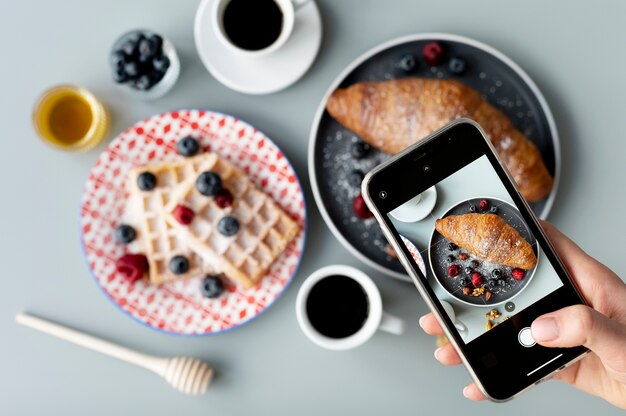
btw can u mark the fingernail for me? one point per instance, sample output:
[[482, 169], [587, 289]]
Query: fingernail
[[421, 320], [466, 392], [545, 329], [437, 352]]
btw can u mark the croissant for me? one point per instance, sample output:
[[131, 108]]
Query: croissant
[[488, 237], [391, 115]]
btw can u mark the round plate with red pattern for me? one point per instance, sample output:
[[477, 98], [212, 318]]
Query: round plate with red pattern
[[179, 307]]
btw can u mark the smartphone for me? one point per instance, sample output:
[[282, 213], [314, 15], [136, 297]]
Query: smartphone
[[476, 253]]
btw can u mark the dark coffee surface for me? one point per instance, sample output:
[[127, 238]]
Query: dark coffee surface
[[253, 24], [337, 306]]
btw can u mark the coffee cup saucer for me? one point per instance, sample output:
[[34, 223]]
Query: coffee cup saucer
[[418, 208], [263, 74]]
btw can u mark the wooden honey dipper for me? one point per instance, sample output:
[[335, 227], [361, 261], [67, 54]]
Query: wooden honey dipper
[[186, 374]]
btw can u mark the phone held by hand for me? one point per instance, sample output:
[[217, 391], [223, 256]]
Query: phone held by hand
[[491, 270]]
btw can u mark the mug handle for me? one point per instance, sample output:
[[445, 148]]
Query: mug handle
[[392, 324], [299, 3], [460, 326]]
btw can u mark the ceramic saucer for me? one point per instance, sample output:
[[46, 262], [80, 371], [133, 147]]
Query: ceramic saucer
[[264, 74], [417, 208]]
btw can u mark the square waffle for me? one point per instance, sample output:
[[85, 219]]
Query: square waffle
[[159, 239], [264, 229]]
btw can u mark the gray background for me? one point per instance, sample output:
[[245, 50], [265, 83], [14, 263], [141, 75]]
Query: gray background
[[574, 53]]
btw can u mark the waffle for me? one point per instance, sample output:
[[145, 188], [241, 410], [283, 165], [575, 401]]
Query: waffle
[[264, 229], [160, 240]]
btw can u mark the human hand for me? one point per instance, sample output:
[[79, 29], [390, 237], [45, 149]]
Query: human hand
[[601, 329]]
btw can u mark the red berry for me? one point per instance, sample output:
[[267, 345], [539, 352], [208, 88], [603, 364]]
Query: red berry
[[518, 274], [224, 198], [484, 205], [477, 279], [453, 271], [132, 266], [183, 214], [433, 53], [360, 208]]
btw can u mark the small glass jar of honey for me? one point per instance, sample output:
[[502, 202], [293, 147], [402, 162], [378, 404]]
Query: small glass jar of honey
[[70, 118]]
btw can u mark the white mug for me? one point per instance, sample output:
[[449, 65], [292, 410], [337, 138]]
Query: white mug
[[459, 325], [376, 318], [288, 9]]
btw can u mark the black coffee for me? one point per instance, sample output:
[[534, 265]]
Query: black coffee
[[337, 306], [253, 24]]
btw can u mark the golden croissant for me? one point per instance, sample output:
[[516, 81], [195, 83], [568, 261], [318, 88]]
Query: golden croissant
[[392, 115], [488, 237]]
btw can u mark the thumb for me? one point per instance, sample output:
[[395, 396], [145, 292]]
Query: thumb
[[581, 325]]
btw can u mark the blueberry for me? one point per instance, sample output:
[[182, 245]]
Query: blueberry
[[146, 181], [209, 183], [452, 246], [117, 58], [131, 69], [468, 270], [472, 208], [502, 282], [143, 83], [457, 65], [496, 273], [187, 146], [491, 284], [473, 264], [161, 63], [124, 234], [450, 259], [360, 149], [228, 226], [146, 48], [493, 209], [212, 286], [157, 42], [407, 63], [128, 47], [464, 281], [156, 77], [119, 75], [179, 265], [355, 178]]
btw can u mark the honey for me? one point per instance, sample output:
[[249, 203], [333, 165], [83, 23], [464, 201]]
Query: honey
[[71, 118]]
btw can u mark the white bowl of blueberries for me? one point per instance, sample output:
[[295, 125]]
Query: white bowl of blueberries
[[144, 64]]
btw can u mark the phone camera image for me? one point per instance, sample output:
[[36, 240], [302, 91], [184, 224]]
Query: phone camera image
[[483, 261], [382, 194]]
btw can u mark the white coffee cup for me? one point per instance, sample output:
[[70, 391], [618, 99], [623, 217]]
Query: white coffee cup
[[459, 325], [288, 9], [376, 318]]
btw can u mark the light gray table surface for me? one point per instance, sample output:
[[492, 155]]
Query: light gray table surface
[[574, 53]]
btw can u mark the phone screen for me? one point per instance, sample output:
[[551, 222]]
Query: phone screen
[[476, 253]]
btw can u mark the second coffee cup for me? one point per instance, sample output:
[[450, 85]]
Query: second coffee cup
[[339, 307]]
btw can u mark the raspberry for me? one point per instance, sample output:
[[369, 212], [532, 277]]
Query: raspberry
[[224, 198], [132, 266], [433, 53], [183, 214], [484, 204], [518, 274], [360, 208], [477, 279], [453, 271]]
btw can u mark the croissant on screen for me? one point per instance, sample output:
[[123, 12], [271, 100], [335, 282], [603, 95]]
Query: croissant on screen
[[488, 237]]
